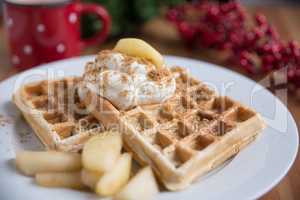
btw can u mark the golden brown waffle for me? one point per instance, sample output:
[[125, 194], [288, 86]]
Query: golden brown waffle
[[186, 136], [53, 110]]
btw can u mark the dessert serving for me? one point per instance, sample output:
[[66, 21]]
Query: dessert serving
[[182, 135], [166, 120]]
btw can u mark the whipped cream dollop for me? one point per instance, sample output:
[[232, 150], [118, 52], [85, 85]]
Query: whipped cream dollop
[[128, 81]]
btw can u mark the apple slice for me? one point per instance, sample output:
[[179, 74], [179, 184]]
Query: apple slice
[[112, 181], [142, 186], [90, 178], [102, 151], [31, 162], [60, 179], [139, 48]]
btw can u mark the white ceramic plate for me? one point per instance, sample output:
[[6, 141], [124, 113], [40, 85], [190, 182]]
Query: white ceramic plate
[[250, 174]]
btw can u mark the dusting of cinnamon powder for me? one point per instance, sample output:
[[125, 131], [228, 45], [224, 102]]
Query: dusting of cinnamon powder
[[159, 74]]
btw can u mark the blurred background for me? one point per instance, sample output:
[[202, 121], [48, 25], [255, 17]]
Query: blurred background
[[248, 1]]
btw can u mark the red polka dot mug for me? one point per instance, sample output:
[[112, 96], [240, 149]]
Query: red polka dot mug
[[41, 31]]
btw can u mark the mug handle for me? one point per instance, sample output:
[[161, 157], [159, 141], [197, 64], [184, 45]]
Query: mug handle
[[103, 15]]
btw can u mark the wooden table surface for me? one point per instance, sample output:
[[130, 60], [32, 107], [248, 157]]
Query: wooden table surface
[[286, 19]]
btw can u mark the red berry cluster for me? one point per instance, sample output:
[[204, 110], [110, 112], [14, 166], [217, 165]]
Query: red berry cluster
[[254, 45]]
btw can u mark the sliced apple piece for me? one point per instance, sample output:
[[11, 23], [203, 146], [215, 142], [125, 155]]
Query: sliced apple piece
[[90, 178], [112, 181], [102, 151], [139, 48], [30, 162], [60, 179], [142, 186]]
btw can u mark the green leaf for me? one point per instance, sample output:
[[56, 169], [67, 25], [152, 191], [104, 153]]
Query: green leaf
[[126, 15]]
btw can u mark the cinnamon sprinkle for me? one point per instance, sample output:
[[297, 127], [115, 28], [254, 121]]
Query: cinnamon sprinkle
[[4, 120], [124, 79], [159, 74], [124, 93]]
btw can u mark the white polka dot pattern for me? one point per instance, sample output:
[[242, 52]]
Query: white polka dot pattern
[[10, 22], [40, 28], [72, 18], [27, 49], [60, 48], [15, 60]]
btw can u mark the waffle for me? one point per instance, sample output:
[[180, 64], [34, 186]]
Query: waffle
[[184, 137], [54, 111]]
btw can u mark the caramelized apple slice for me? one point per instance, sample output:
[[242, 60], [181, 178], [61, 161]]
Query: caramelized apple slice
[[139, 48], [101, 152], [90, 178], [60, 179], [31, 162], [142, 186], [112, 181]]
